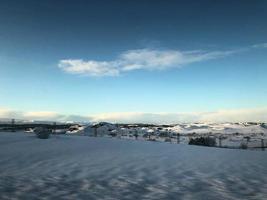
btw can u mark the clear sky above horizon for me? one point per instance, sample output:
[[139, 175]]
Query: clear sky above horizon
[[89, 58]]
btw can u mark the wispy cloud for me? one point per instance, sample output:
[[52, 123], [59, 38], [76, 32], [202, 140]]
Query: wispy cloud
[[230, 115], [140, 59], [163, 59], [263, 45], [145, 59]]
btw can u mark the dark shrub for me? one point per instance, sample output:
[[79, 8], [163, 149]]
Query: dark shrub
[[203, 141], [146, 135], [136, 135], [243, 146], [168, 140], [164, 134], [264, 125], [42, 133], [113, 134]]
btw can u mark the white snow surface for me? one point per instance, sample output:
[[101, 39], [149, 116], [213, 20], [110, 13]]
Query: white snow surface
[[81, 167]]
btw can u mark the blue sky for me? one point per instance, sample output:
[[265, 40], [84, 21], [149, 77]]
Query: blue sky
[[133, 58]]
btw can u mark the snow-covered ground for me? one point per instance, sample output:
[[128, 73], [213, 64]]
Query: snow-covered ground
[[187, 128], [231, 135], [77, 167]]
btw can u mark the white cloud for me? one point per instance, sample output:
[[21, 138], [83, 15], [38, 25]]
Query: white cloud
[[91, 67], [151, 59], [236, 115], [263, 45], [7, 113], [41, 115], [146, 59], [140, 117], [230, 115]]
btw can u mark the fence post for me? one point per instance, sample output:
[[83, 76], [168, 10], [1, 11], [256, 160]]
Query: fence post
[[95, 131], [178, 138], [262, 144], [220, 141], [13, 125], [54, 127]]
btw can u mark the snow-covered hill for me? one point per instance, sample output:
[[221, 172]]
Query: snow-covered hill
[[223, 128]]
